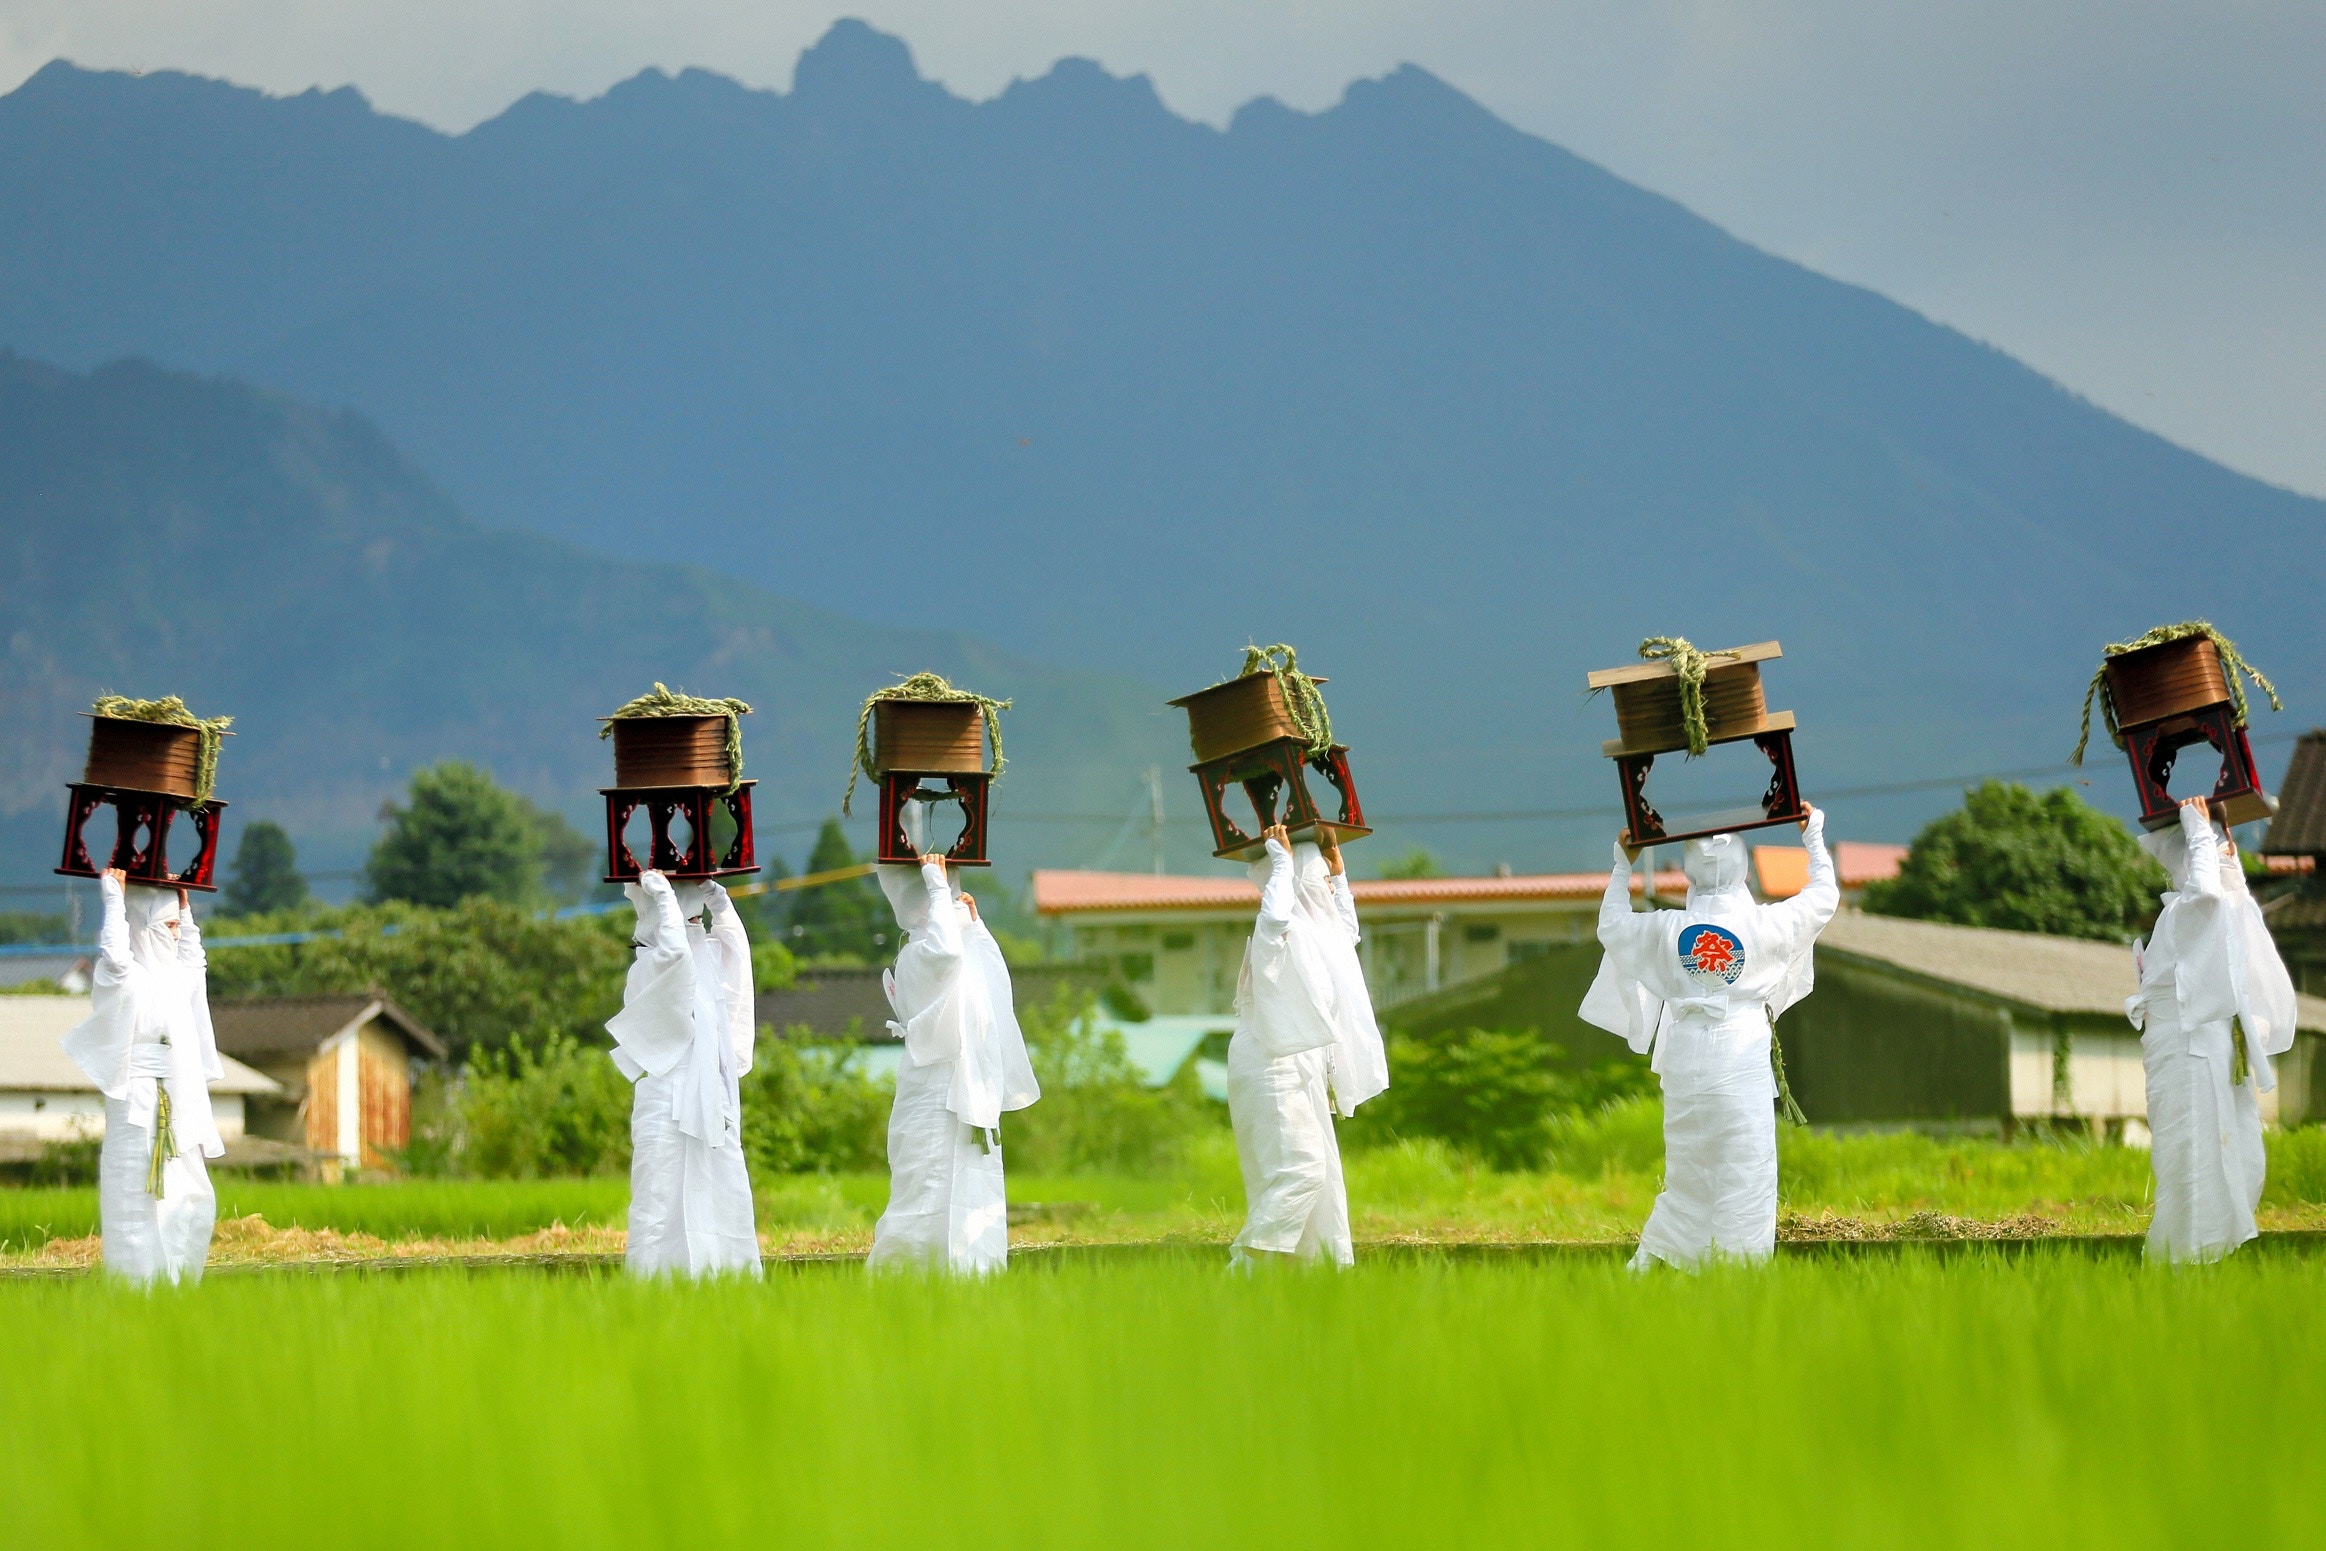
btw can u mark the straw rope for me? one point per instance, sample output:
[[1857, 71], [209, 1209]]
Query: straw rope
[[1303, 701], [1786, 1104], [1690, 664], [2232, 664], [165, 1138], [664, 702], [170, 711], [921, 686]]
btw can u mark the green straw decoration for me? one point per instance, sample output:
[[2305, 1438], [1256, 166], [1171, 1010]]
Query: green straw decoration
[[921, 686], [664, 702], [170, 711], [2233, 663]]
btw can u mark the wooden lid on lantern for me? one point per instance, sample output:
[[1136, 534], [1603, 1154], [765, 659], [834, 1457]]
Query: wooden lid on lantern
[[1650, 715], [148, 760], [1241, 714]]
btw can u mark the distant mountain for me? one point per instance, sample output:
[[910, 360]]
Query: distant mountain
[[1457, 412], [165, 535]]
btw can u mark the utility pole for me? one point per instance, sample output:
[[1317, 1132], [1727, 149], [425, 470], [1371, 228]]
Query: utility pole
[[1155, 813]]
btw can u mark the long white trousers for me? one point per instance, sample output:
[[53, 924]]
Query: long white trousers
[[690, 1203], [948, 1207], [144, 1239], [1296, 1202], [2205, 1142], [1720, 1168]]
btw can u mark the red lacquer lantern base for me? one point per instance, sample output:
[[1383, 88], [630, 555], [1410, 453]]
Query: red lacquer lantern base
[[1780, 803], [901, 787], [2153, 747], [664, 804], [1274, 777], [141, 836]]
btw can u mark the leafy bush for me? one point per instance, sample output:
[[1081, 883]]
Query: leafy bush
[[1097, 1113], [2009, 858], [529, 1113], [1492, 1093], [808, 1110]]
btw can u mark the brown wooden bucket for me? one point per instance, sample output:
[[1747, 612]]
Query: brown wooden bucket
[[1241, 714], [2166, 680], [671, 751], [142, 756], [934, 737], [1647, 713]]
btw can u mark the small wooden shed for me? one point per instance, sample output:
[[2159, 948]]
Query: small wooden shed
[[2297, 917], [345, 1066]]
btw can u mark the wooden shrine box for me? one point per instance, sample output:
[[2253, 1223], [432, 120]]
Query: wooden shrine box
[[1648, 719], [144, 771], [676, 767], [918, 742], [1242, 733], [2170, 697]]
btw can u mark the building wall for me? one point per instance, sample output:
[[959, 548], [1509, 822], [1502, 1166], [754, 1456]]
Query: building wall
[[1866, 1046], [59, 1117], [1185, 964]]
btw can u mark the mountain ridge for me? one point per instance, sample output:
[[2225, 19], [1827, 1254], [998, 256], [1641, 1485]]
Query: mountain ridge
[[1457, 411]]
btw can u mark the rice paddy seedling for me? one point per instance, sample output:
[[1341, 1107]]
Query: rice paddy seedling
[[2047, 1399]]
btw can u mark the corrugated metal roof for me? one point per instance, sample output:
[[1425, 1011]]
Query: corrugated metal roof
[[32, 1060], [2048, 974], [1059, 891], [291, 1025], [2300, 826]]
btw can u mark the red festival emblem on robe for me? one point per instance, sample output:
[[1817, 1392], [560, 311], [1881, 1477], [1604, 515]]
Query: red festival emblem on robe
[[1712, 950]]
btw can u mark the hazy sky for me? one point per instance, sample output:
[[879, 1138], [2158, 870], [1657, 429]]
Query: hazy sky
[[2129, 195]]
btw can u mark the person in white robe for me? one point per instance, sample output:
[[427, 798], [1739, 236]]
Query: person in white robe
[[1305, 1044], [684, 1039], [964, 1067], [148, 1046], [1701, 988], [2215, 1004]]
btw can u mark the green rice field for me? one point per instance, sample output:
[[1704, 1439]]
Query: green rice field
[[1604, 1179], [1150, 1398]]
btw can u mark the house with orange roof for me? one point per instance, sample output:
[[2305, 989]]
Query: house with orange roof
[[1178, 940]]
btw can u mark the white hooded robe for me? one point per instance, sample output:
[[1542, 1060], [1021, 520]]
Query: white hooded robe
[[1305, 1041], [684, 1038], [1702, 987], [148, 1030], [965, 1066], [2209, 961]]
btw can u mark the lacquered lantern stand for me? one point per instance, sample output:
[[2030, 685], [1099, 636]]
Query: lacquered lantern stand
[[676, 767], [143, 771], [915, 742], [2172, 697]]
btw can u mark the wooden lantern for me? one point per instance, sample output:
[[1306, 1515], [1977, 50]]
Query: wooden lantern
[[676, 767], [930, 751], [145, 772], [2170, 697], [1244, 735], [1648, 719]]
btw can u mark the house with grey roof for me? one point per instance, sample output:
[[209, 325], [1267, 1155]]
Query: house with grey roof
[[45, 1099]]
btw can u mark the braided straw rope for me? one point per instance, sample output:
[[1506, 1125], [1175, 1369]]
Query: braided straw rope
[[2232, 664], [1690, 664], [170, 711], [663, 702], [921, 686], [1303, 701]]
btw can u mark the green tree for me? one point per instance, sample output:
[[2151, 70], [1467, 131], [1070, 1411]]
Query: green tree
[[459, 836], [569, 862], [849, 919], [1491, 1093], [266, 873], [1416, 863], [2009, 858], [483, 974]]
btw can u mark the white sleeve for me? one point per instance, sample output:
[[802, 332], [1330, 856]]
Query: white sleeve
[[1276, 896], [1346, 903], [726, 929], [2204, 855], [943, 935], [1798, 920], [113, 928], [656, 1023], [1615, 904]]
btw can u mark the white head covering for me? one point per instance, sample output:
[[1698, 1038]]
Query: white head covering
[[1715, 868], [1308, 988]]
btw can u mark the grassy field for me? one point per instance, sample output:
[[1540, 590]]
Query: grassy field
[[1601, 1188], [2046, 1400]]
